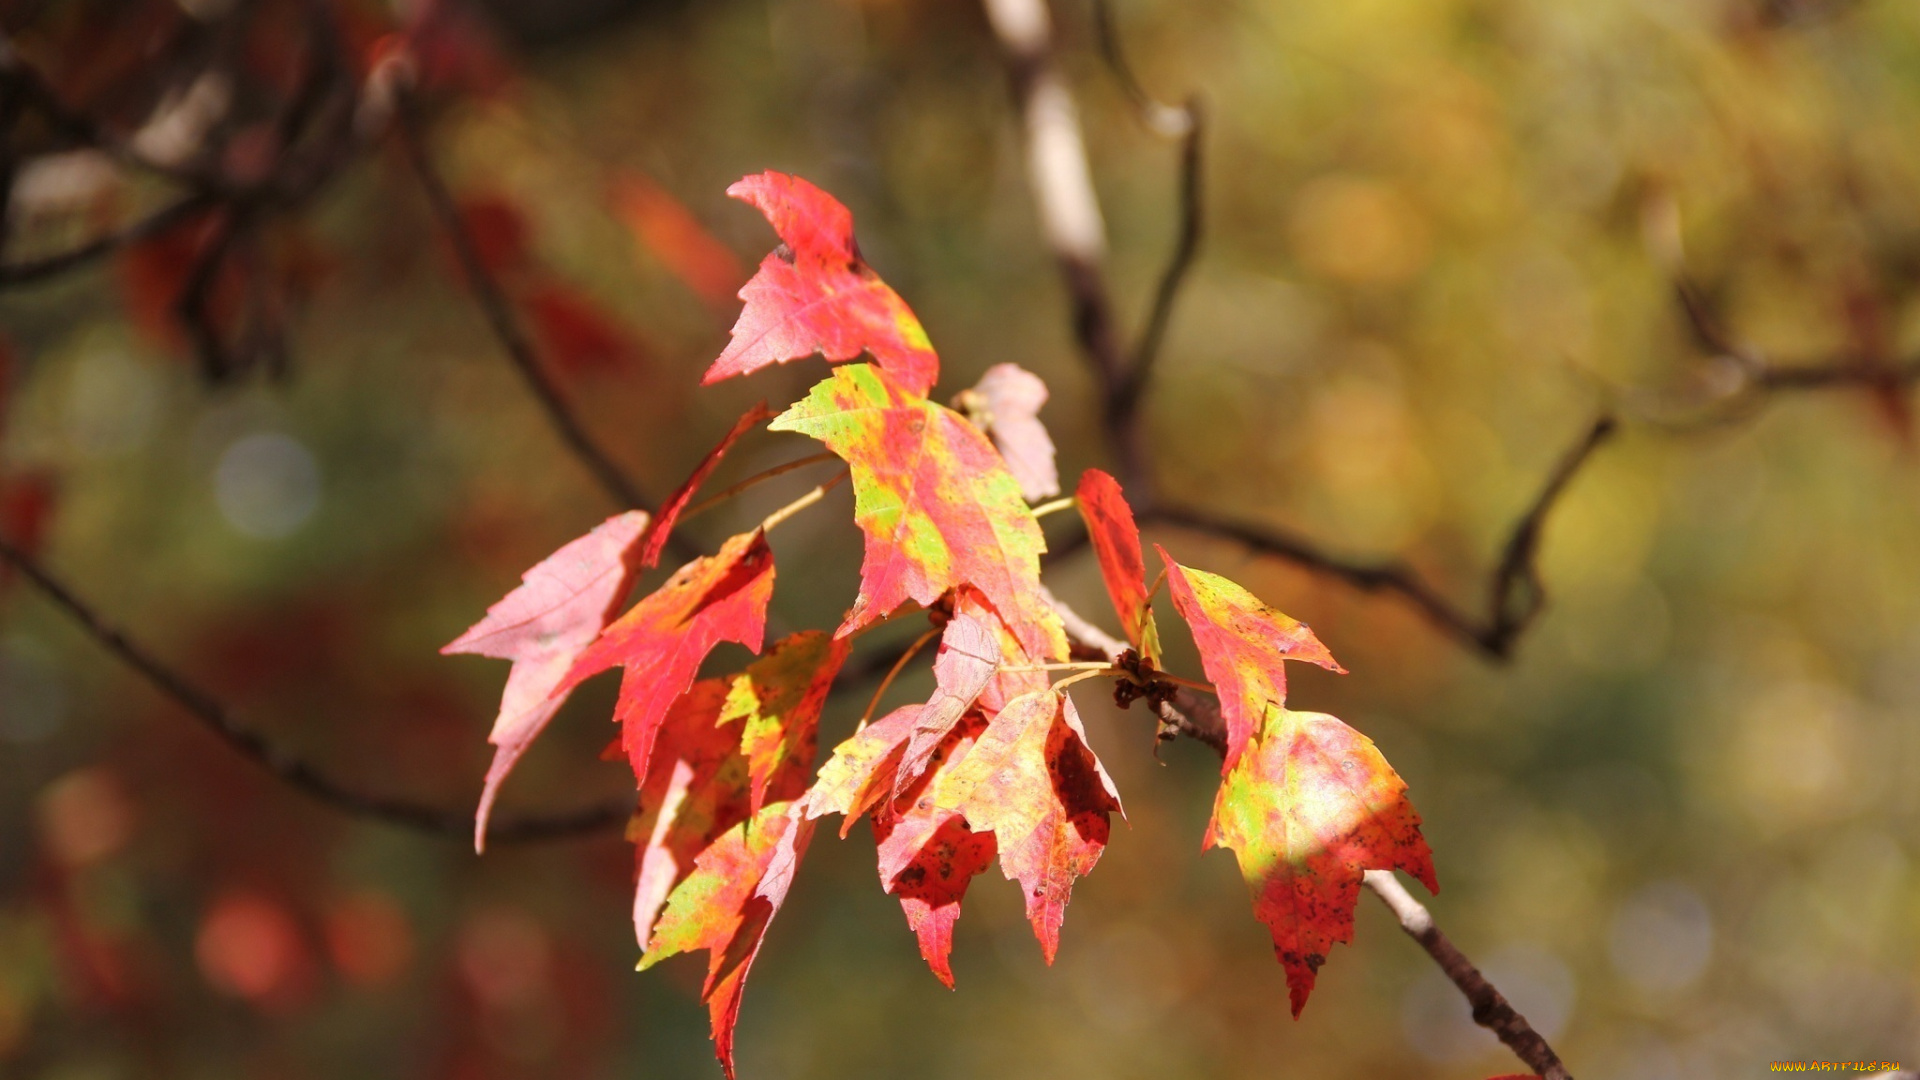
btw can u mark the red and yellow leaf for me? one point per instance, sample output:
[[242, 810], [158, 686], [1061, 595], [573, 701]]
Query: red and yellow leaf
[[543, 626], [727, 747], [1116, 544], [656, 538], [660, 642], [1308, 808], [695, 790], [927, 853], [816, 294], [860, 772], [724, 906], [938, 507], [669, 230], [1032, 781], [1011, 397], [1242, 644], [779, 697]]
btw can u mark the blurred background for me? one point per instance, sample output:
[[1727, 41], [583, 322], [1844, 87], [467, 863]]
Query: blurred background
[[1678, 828]]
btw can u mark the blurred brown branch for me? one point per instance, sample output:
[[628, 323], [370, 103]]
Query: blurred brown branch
[[1515, 594], [501, 319], [296, 772]]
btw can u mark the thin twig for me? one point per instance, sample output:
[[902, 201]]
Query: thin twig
[[1186, 123], [893, 673], [1515, 597], [31, 271], [801, 503], [1069, 211], [1186, 247], [283, 765], [719, 497], [499, 311]]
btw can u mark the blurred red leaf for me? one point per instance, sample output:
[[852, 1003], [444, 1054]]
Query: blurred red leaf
[[27, 502], [667, 229], [251, 947], [577, 333], [501, 236]]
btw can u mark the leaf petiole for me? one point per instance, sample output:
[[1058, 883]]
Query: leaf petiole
[[719, 497], [1053, 507], [894, 673], [800, 503]]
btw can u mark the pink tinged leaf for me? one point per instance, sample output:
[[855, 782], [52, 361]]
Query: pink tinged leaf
[[938, 507], [1012, 397], [1033, 782], [1308, 808], [1116, 544], [779, 698], [816, 294], [696, 789], [542, 626], [1242, 643], [860, 772], [660, 642], [969, 655], [928, 855], [656, 539], [737, 886]]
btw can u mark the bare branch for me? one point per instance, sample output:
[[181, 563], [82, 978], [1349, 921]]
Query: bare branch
[[1491, 1010], [31, 271], [1069, 211], [1515, 596], [296, 772], [500, 315], [1186, 247]]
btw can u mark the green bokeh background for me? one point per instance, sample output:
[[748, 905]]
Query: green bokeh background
[[1679, 827]]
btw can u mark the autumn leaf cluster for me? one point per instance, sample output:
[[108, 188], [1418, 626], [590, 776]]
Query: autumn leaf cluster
[[995, 766]]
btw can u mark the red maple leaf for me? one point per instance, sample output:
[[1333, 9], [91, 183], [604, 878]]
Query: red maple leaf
[[816, 294], [724, 906], [725, 748], [968, 657], [1307, 810], [1242, 643], [1032, 781], [543, 626], [938, 507], [928, 855], [1116, 545], [660, 642]]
